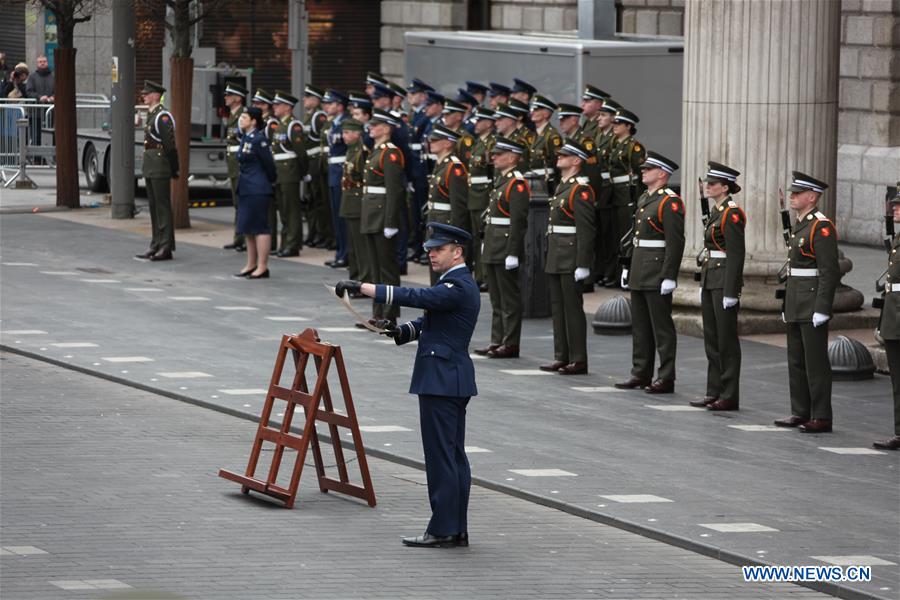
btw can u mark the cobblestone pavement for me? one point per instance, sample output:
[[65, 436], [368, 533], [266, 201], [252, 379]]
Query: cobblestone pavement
[[110, 492]]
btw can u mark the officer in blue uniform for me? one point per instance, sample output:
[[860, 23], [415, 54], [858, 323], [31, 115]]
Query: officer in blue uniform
[[478, 90], [443, 376], [337, 152]]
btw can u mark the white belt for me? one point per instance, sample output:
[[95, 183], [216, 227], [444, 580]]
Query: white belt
[[415, 147], [479, 179], [336, 160], [314, 150], [440, 206], [374, 189], [892, 287], [716, 254], [650, 243], [544, 171], [498, 220], [569, 229], [285, 155], [233, 148], [605, 175], [431, 156], [803, 272], [622, 179]]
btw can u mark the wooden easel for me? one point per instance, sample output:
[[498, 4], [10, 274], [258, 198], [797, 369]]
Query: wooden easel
[[317, 406]]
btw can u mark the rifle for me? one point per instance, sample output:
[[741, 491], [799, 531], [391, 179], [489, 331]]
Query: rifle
[[704, 218], [888, 240], [786, 232]]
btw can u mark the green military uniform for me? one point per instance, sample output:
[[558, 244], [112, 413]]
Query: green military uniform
[[271, 128], [813, 276], [351, 209], [481, 173], [232, 143], [606, 257], [159, 165], [463, 148], [526, 137], [315, 125], [721, 276], [889, 329], [384, 198], [542, 156], [504, 236], [288, 150], [625, 159], [448, 196], [654, 255], [571, 230]]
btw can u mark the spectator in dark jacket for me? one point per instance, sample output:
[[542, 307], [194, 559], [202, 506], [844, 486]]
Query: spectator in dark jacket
[[4, 68], [14, 87], [40, 84]]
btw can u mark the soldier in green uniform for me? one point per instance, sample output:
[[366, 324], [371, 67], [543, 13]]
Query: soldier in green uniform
[[511, 126], [315, 128], [288, 150], [448, 191], [453, 114], [351, 198], [652, 259], [721, 280], [504, 247], [384, 200], [625, 157], [481, 172], [591, 102], [606, 260], [813, 275], [570, 255], [234, 100], [889, 324], [159, 165], [263, 101], [547, 142]]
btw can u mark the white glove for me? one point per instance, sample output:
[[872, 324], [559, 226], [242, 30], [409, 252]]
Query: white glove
[[307, 178], [700, 295], [667, 286], [410, 187], [819, 319], [624, 281], [728, 302], [783, 320], [390, 232], [582, 273], [512, 262]]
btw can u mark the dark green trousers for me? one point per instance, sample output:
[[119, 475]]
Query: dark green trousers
[[569, 323], [893, 356], [273, 219], [160, 198], [723, 347], [477, 230], [652, 331], [317, 196], [238, 238], [289, 209], [384, 269], [809, 370], [357, 256], [506, 305]]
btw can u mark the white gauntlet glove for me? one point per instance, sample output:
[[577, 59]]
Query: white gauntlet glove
[[512, 262], [581, 273], [307, 178], [410, 187], [390, 232], [728, 302], [667, 286], [624, 281], [819, 319]]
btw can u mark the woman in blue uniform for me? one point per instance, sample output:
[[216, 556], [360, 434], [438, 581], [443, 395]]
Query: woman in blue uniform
[[255, 193]]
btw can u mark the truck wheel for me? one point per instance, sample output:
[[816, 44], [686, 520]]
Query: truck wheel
[[96, 182]]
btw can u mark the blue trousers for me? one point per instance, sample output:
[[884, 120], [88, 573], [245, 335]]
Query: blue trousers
[[338, 223], [443, 424]]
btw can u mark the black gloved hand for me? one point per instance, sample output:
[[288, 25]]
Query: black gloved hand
[[390, 328], [347, 285]]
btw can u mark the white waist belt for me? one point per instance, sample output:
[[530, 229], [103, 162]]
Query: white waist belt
[[892, 287], [622, 179], [716, 254], [314, 150], [568, 229], [544, 171], [374, 189], [479, 179], [415, 146], [233, 148], [803, 272], [285, 155], [650, 243], [431, 156], [336, 160], [440, 206], [605, 175], [499, 220]]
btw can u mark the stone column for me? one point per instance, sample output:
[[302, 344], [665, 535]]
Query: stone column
[[760, 95]]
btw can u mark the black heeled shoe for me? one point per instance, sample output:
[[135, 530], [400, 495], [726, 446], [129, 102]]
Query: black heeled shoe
[[243, 274], [263, 275]]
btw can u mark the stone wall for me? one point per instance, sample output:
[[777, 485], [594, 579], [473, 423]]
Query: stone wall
[[653, 17]]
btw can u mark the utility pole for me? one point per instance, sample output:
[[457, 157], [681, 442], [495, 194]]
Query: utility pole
[[121, 162]]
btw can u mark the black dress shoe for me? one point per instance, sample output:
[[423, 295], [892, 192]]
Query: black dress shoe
[[146, 255], [722, 405], [273, 252], [574, 368], [632, 384], [284, 253], [504, 351], [432, 541], [231, 246], [661, 386], [404, 269], [263, 275], [463, 540], [707, 400], [816, 426], [484, 351], [888, 444], [553, 367], [339, 264], [791, 421], [482, 287], [328, 263], [244, 274], [162, 255]]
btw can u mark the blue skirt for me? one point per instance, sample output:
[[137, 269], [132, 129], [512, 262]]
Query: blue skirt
[[253, 214]]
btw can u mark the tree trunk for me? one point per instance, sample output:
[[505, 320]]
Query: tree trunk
[[67, 192], [180, 89]]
